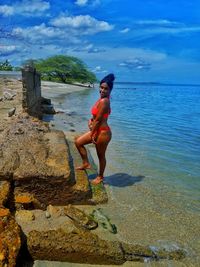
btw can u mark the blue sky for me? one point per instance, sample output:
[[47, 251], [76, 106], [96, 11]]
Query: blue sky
[[149, 40]]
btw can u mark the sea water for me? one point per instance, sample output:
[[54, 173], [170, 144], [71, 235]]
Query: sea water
[[153, 162]]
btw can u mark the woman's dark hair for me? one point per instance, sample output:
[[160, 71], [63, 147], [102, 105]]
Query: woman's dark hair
[[109, 79]]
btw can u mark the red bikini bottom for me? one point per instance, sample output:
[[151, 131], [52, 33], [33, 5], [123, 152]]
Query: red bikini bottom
[[103, 128]]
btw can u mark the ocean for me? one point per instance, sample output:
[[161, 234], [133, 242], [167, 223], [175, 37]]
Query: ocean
[[153, 162]]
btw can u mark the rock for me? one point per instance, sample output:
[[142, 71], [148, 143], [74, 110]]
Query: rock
[[3, 254], [19, 131], [4, 212], [24, 201], [8, 96], [138, 253], [10, 239], [54, 211], [45, 101], [11, 112], [60, 111], [76, 246], [99, 194], [103, 220], [173, 253], [72, 130], [47, 215], [1, 99], [4, 192], [48, 109], [82, 246], [24, 215], [80, 218]]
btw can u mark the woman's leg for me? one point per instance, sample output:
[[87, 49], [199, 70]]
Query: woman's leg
[[101, 146], [80, 142]]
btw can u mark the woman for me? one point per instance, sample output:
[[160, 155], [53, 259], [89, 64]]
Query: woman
[[100, 133]]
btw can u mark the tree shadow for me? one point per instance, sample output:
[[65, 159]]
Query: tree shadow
[[123, 179]]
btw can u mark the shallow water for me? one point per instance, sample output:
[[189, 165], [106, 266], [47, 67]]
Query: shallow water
[[153, 170]]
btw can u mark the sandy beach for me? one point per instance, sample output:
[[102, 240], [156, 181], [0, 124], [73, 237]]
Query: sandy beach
[[52, 89]]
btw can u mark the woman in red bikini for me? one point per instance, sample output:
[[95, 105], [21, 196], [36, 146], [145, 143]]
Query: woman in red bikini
[[100, 133]]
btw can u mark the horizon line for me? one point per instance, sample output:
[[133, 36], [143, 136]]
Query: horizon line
[[161, 83]]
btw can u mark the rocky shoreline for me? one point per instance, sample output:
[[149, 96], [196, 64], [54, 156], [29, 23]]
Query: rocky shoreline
[[46, 205]]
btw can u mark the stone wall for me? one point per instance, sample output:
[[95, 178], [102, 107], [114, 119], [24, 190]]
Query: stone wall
[[31, 100]]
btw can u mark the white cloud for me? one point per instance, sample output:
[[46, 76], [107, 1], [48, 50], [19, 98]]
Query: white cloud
[[36, 32], [163, 30], [44, 34], [81, 2], [136, 64], [89, 48], [125, 30], [6, 50], [6, 10], [82, 24], [99, 69], [29, 6], [159, 22], [25, 8], [149, 28], [121, 54]]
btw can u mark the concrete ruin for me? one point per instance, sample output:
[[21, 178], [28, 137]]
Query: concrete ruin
[[31, 81]]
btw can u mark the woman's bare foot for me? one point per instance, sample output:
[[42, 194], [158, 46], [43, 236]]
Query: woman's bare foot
[[97, 180], [84, 167]]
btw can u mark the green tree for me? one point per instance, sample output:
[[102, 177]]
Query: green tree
[[6, 66], [66, 69]]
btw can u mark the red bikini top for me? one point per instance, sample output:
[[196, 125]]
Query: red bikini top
[[94, 110]]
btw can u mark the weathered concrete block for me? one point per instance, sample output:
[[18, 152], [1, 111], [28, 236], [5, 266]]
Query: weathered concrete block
[[49, 178], [31, 90], [96, 194], [81, 247]]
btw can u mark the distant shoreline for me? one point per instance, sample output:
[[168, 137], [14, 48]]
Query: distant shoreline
[[17, 74]]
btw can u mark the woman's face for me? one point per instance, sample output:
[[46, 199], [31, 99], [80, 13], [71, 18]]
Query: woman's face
[[104, 90]]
